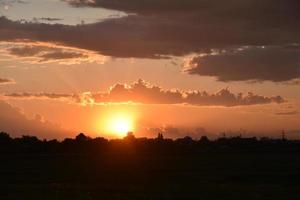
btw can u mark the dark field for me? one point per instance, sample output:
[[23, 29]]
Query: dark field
[[134, 175]]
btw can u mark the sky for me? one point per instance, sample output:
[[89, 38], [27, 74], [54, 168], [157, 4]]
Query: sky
[[183, 68]]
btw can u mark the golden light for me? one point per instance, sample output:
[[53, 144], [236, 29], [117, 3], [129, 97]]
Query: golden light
[[118, 123]]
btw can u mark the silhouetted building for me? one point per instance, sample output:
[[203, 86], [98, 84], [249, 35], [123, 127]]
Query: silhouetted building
[[160, 136]]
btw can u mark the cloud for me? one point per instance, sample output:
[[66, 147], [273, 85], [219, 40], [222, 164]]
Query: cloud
[[49, 19], [42, 52], [164, 7], [5, 81], [163, 28], [295, 112], [6, 4], [16, 123], [259, 63], [26, 95], [160, 28], [145, 93]]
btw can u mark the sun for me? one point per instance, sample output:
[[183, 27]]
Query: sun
[[116, 121], [119, 124]]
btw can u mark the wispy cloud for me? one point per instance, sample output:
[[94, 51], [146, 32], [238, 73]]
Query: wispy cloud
[[42, 52], [7, 4], [294, 112], [5, 81]]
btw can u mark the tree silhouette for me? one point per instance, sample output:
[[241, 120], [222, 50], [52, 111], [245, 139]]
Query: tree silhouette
[[81, 138], [5, 138]]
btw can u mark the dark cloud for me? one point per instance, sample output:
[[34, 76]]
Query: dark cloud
[[145, 93], [165, 7], [272, 63], [41, 52], [163, 28], [16, 123], [213, 22], [4, 81]]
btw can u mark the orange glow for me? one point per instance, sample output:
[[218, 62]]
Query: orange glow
[[118, 123]]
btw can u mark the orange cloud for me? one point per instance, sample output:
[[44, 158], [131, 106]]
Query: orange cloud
[[15, 122], [145, 93]]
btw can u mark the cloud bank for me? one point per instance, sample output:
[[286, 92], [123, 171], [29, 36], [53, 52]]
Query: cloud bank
[[260, 63], [163, 28], [15, 122], [145, 93]]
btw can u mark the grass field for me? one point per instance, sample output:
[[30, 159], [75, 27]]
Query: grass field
[[147, 176]]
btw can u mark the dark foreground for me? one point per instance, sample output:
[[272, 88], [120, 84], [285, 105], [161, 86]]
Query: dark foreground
[[127, 171]]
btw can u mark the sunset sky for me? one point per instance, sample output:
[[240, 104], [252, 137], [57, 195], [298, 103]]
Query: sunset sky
[[180, 67]]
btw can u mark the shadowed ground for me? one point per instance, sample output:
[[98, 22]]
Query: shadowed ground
[[134, 175], [141, 168]]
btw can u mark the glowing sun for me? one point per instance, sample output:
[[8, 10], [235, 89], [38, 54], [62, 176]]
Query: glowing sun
[[119, 124]]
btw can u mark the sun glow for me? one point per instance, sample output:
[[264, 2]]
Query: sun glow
[[119, 124]]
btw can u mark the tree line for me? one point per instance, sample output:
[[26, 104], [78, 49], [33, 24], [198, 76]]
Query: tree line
[[83, 144]]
